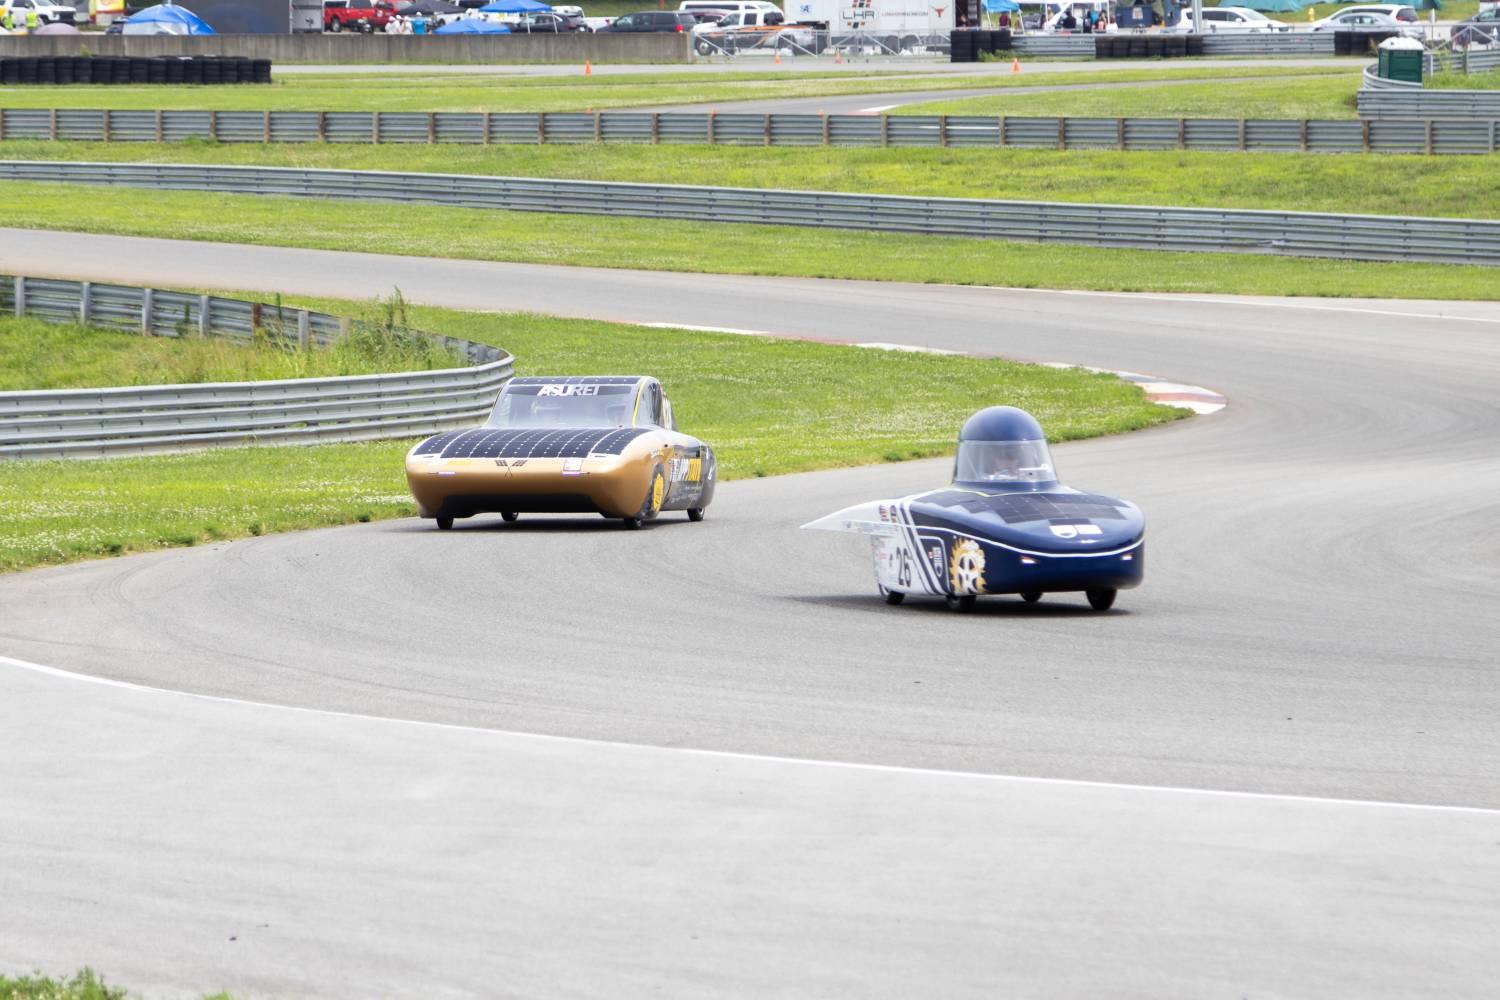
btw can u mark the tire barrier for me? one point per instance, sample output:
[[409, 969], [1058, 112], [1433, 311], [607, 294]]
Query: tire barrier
[[1460, 136], [1305, 234], [141, 420], [132, 70]]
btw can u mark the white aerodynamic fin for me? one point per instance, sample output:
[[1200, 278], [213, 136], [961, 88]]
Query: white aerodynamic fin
[[872, 518]]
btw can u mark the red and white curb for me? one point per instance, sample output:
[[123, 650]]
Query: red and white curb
[[1158, 390]]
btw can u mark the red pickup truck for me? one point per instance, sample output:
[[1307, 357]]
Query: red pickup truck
[[357, 15]]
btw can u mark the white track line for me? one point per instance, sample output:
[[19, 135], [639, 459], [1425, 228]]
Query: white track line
[[1250, 303], [38, 668]]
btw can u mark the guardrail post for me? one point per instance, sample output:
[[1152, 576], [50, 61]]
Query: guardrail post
[[148, 301], [1364, 133], [1243, 130], [1182, 133], [712, 127], [2, 124], [541, 128], [159, 129], [655, 127], [431, 127], [766, 131], [486, 140], [205, 308], [213, 125], [52, 124], [1120, 134], [20, 296], [375, 127], [345, 324], [1427, 134], [827, 138], [304, 330], [85, 301], [1492, 135], [265, 132], [598, 126], [108, 115], [1000, 135], [322, 126], [254, 318], [885, 130], [1303, 135], [1062, 132], [942, 130]]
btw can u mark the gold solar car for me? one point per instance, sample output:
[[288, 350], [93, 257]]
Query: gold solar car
[[600, 444]]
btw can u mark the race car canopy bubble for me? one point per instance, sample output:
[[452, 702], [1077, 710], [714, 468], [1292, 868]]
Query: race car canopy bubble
[[1001, 423]]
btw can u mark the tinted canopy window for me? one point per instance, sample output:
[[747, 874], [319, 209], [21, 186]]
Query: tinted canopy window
[[564, 405]]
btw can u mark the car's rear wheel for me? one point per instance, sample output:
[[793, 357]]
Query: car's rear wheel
[[1031, 596], [892, 596], [696, 513], [336, 26], [963, 603], [509, 515], [1101, 598], [651, 506], [444, 523]]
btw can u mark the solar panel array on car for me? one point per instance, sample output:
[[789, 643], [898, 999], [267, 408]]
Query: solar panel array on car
[[567, 442], [1015, 508]]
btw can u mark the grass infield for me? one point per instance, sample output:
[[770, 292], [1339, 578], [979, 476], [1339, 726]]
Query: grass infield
[[416, 91], [1313, 182], [767, 406], [83, 985]]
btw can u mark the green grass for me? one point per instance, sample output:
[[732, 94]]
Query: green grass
[[1307, 97], [1464, 81], [84, 985], [38, 355], [1316, 182], [429, 231], [498, 92], [767, 406]]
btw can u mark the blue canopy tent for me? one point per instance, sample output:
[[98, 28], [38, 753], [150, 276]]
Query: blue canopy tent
[[166, 19], [472, 26], [1271, 6], [1001, 6], [513, 7]]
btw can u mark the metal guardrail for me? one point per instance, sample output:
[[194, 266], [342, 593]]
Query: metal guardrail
[[1348, 237], [1374, 81], [137, 420], [1385, 104], [1208, 134], [1272, 44], [1077, 46]]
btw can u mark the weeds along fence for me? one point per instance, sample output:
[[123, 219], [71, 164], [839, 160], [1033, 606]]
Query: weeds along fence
[[1311, 234], [136, 420], [1476, 134]]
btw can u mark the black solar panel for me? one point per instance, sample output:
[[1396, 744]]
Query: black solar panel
[[1015, 508], [568, 442]]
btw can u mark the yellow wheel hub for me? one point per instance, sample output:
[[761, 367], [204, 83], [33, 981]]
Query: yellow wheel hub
[[658, 489]]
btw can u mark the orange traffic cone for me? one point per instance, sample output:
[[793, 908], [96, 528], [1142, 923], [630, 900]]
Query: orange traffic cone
[[1015, 65], [777, 60], [587, 69], [838, 59]]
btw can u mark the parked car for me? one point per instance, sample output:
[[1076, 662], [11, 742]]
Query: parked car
[[1237, 20], [1365, 21], [750, 30], [1481, 29], [47, 12], [652, 20], [707, 16], [722, 7], [357, 15], [547, 22], [1402, 12]]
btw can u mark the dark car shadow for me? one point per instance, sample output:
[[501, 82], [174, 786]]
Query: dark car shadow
[[999, 606], [536, 525]]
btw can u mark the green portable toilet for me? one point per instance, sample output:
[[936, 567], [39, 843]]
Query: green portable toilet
[[1401, 59]]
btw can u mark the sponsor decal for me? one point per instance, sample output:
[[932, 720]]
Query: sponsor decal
[[573, 467], [568, 390], [1074, 530], [966, 568]]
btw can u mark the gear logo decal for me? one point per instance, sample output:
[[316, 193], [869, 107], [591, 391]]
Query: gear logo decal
[[966, 568]]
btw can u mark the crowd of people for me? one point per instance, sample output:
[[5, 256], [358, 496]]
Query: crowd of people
[[14, 20]]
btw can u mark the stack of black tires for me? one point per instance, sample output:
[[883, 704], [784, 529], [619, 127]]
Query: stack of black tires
[[133, 69], [1147, 46], [968, 44]]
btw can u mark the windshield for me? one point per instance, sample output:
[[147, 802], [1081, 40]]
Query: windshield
[[560, 405], [1003, 462]]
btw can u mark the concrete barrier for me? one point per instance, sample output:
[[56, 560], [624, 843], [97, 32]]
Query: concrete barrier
[[355, 49]]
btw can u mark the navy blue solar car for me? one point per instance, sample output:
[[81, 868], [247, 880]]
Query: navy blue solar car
[[1004, 526]]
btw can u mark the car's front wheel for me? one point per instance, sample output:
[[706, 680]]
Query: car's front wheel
[[336, 26], [892, 596], [1031, 596], [1101, 598], [963, 603], [445, 523], [509, 515], [696, 513]]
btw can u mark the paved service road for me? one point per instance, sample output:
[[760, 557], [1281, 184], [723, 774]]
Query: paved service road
[[1319, 620]]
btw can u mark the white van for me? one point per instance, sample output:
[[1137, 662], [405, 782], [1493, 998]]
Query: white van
[[727, 6]]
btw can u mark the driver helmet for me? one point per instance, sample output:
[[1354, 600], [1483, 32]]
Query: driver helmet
[[547, 410], [1003, 444]]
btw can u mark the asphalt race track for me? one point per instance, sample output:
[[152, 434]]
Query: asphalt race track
[[708, 760]]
